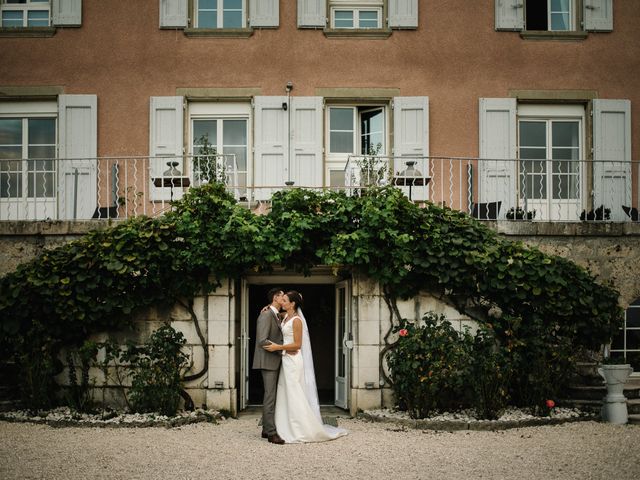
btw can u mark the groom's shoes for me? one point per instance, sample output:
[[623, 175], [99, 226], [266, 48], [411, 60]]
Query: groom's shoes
[[264, 434], [275, 438]]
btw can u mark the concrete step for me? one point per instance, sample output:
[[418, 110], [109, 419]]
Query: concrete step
[[592, 392], [634, 419], [633, 405]]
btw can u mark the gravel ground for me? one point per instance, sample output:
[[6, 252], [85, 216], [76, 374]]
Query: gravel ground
[[234, 449]]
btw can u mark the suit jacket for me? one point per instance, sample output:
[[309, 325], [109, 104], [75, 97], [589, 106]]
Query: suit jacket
[[267, 328]]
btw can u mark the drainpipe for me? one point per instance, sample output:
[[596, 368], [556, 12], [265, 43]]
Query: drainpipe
[[288, 89]]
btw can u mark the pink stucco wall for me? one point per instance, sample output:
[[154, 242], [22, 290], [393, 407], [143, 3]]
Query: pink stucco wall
[[454, 57]]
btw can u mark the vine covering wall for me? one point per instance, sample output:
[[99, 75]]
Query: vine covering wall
[[95, 283]]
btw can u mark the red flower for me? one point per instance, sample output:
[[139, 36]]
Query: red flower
[[403, 332], [551, 403]]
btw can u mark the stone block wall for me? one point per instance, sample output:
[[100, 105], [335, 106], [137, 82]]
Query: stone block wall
[[216, 387], [370, 323]]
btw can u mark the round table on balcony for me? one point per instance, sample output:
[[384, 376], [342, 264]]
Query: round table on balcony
[[171, 182]]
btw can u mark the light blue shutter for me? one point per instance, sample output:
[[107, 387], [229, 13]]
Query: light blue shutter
[[173, 13], [312, 13], [66, 13], [598, 15], [498, 142], [165, 143], [78, 149], [509, 14], [612, 156], [271, 164], [306, 126], [264, 13], [411, 139], [403, 13]]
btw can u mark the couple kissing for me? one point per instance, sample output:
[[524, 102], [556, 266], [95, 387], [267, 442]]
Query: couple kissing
[[290, 411]]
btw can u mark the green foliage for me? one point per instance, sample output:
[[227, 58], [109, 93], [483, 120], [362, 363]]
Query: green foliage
[[489, 374], [538, 306], [78, 395], [208, 167], [157, 369], [428, 365], [38, 365]]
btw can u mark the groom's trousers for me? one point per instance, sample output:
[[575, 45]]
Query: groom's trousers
[[270, 382]]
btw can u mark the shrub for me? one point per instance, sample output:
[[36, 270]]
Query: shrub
[[78, 395], [157, 369], [427, 365], [489, 373]]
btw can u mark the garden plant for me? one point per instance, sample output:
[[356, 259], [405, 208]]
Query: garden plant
[[535, 309]]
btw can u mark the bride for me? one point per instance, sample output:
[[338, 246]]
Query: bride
[[297, 415]]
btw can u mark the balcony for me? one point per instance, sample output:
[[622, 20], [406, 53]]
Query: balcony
[[488, 189]]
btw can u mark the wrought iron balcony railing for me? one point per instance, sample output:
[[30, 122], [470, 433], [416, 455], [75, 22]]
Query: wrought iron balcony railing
[[488, 189]]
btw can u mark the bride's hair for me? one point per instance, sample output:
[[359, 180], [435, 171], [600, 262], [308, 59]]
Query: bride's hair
[[295, 297]]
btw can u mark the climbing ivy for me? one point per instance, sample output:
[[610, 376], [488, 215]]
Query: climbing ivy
[[97, 282]]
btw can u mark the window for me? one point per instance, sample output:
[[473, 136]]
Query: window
[[354, 131], [25, 13], [357, 130], [626, 343], [551, 15], [550, 150], [228, 137], [220, 13], [356, 18], [34, 139]]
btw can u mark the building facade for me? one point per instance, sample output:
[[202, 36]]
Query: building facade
[[505, 109]]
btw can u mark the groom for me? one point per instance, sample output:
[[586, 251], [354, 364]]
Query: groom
[[268, 329]]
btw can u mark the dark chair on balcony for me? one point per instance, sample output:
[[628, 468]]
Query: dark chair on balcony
[[632, 212], [106, 212], [486, 211]]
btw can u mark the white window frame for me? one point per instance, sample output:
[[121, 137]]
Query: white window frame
[[358, 110], [550, 114], [25, 8], [624, 348], [220, 15], [25, 206], [220, 112], [356, 16], [573, 21], [337, 161]]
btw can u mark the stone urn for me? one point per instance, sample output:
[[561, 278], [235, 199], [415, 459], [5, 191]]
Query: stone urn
[[614, 405]]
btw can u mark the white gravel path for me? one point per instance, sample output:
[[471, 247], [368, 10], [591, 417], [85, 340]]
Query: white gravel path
[[234, 449]]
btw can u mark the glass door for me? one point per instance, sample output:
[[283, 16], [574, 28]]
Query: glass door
[[344, 344], [550, 168]]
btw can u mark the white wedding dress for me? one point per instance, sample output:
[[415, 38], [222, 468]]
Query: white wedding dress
[[297, 415]]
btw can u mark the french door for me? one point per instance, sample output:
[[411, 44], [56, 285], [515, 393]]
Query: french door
[[550, 168], [344, 344]]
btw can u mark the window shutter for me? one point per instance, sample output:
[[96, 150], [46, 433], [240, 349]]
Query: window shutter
[[66, 13], [306, 162], [165, 143], [498, 141], [411, 138], [509, 14], [612, 156], [78, 149], [598, 15], [173, 13], [271, 166], [264, 13], [312, 13], [403, 13]]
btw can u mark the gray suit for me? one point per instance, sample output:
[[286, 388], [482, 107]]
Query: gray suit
[[268, 328]]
